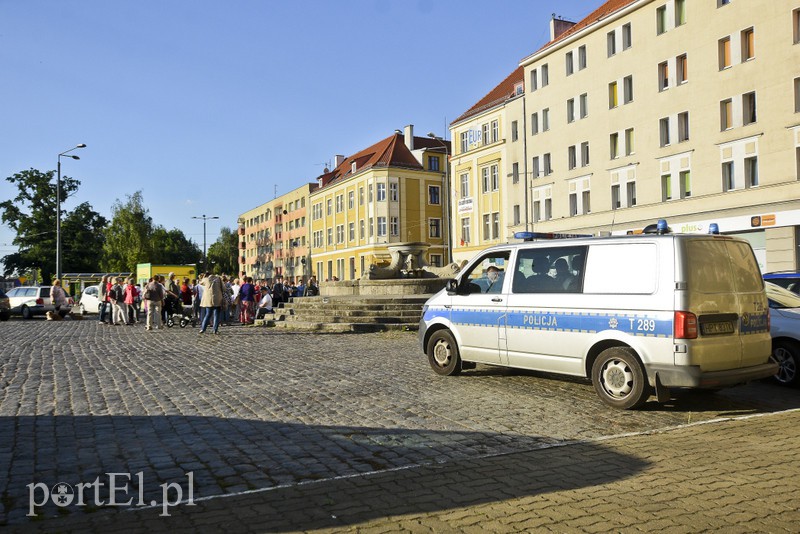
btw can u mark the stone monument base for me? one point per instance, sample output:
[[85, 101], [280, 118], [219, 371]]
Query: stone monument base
[[392, 286]]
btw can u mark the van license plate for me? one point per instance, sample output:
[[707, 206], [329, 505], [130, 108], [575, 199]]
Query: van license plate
[[717, 328]]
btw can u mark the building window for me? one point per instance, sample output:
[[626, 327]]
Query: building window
[[465, 233], [433, 194], [572, 157], [680, 12], [381, 192], [495, 177], [381, 226], [534, 80], [516, 215], [535, 167], [495, 225], [514, 131], [485, 135], [797, 95], [545, 119], [615, 198], [464, 185], [569, 63], [614, 142], [666, 187], [682, 69], [683, 126], [584, 105], [582, 57], [579, 201], [724, 53], [726, 114], [495, 132], [721, 3], [330, 236], [436, 260], [487, 226], [728, 179], [611, 43], [485, 179], [433, 163], [361, 229], [339, 203], [686, 183], [751, 172], [663, 76], [748, 44], [351, 199], [330, 207], [434, 228], [360, 196], [749, 108], [661, 20], [464, 142], [542, 204], [394, 226], [612, 95], [663, 129], [394, 192], [547, 167], [627, 37], [796, 25], [628, 84], [585, 154], [571, 110], [545, 75], [515, 173], [351, 231], [369, 193], [339, 234], [534, 123]]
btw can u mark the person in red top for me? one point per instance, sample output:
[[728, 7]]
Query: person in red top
[[186, 293], [131, 292]]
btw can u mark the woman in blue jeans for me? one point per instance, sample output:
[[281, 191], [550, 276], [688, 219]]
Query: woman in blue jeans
[[212, 300]]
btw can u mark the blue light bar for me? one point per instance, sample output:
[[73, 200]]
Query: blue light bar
[[530, 236], [713, 228]]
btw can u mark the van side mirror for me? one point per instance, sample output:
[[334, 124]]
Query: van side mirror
[[452, 286]]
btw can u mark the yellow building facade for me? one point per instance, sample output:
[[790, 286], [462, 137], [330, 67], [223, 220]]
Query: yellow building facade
[[273, 238], [391, 192], [645, 109]]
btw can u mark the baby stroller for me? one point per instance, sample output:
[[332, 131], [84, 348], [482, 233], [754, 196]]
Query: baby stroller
[[178, 313]]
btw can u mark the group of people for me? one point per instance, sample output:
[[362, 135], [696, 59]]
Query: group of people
[[212, 299]]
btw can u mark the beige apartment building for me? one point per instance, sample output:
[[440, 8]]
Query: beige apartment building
[[273, 238], [687, 110], [393, 191]]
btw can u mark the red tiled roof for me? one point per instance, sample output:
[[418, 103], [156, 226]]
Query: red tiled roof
[[389, 152], [609, 7], [502, 92]]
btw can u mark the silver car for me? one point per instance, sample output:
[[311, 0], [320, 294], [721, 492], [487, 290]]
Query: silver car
[[785, 329], [34, 300]]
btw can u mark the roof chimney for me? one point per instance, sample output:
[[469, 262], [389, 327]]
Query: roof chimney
[[558, 27], [338, 159], [409, 136]]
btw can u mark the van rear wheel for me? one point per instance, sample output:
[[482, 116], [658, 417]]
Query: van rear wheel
[[619, 378], [443, 353]]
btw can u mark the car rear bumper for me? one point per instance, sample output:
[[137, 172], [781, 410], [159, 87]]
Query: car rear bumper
[[694, 377]]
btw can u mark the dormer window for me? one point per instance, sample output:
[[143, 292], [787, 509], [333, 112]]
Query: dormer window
[[353, 168]]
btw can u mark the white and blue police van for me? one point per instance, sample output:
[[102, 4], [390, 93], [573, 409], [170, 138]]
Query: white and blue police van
[[636, 314]]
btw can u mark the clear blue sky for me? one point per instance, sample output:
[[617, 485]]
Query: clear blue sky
[[206, 106]]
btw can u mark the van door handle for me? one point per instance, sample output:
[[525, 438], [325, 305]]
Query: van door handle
[[497, 299]]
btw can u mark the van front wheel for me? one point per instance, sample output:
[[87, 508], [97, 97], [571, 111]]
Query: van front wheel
[[619, 379], [443, 353]]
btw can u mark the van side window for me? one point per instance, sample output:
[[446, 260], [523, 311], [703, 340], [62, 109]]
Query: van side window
[[488, 274], [616, 269], [549, 270]]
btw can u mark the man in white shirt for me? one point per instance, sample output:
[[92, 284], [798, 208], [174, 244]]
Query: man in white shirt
[[265, 304]]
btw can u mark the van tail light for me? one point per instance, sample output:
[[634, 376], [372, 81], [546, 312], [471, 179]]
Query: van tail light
[[685, 325], [40, 302]]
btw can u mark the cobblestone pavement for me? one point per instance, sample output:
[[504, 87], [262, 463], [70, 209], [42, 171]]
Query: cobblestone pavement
[[289, 431]]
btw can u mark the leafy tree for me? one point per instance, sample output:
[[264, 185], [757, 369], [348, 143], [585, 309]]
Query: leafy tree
[[173, 248], [32, 216], [82, 239], [222, 254], [128, 236]]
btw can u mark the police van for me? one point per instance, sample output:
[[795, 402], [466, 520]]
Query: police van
[[636, 314]]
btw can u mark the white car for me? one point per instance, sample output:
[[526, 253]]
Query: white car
[[90, 300], [785, 329], [34, 300]]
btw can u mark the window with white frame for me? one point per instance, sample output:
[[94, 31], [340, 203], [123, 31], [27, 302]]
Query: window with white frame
[[535, 167], [682, 69], [534, 123], [724, 47], [726, 114], [485, 134], [433, 194], [748, 108], [614, 145], [487, 226], [584, 105], [661, 20], [434, 228], [611, 43], [516, 215], [351, 203], [495, 131], [495, 225], [676, 176], [485, 179], [465, 231], [623, 188], [748, 40], [351, 231], [514, 131], [571, 110], [381, 226], [545, 119], [627, 83], [371, 227], [360, 196], [464, 178], [515, 173], [339, 203], [683, 126], [394, 192], [534, 80], [369, 193], [330, 236], [627, 36], [548, 169], [579, 196], [394, 226], [585, 154], [663, 132], [494, 169], [464, 136], [361, 229], [570, 64], [572, 157], [796, 25], [582, 57], [339, 234], [680, 12], [542, 203], [629, 142], [381, 192], [545, 75], [330, 207], [663, 76], [433, 163]]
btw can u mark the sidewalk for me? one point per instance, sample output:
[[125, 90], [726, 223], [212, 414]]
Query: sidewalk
[[735, 475]]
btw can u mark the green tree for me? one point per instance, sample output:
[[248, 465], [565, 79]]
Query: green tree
[[82, 239], [32, 216], [222, 254], [128, 236], [171, 247]]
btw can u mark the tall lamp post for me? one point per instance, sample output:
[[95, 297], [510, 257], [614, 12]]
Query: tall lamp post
[[58, 206], [447, 229], [204, 237]]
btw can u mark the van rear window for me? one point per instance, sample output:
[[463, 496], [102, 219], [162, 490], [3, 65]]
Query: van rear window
[[626, 268], [716, 266]]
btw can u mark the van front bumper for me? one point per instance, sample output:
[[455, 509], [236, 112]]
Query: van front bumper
[[693, 377]]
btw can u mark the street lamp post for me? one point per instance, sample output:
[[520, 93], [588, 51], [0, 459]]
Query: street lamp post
[[204, 237], [447, 228], [58, 206]]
